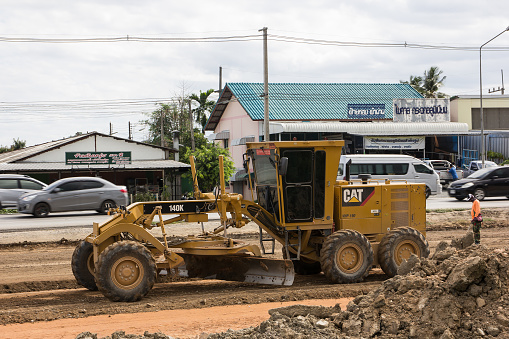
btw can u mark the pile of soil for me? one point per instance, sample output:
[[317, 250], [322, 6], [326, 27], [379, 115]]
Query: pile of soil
[[460, 292]]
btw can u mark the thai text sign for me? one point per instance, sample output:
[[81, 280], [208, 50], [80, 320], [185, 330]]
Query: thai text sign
[[394, 142], [366, 111], [97, 158], [421, 110]]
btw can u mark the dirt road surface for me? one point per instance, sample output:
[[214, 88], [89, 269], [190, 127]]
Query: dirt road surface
[[39, 297]]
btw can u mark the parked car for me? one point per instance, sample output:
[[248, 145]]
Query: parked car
[[12, 186], [475, 165], [73, 194], [393, 167], [486, 182], [442, 168]]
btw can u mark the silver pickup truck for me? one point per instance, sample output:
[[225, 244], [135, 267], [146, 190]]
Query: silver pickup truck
[[475, 165], [442, 167]]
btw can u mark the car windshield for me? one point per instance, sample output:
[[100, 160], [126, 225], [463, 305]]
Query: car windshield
[[480, 174]]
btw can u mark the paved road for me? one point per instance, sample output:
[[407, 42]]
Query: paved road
[[81, 222], [444, 201]]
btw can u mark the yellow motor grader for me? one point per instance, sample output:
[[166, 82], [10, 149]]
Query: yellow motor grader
[[339, 227]]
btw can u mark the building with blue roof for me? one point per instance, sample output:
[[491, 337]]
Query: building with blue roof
[[313, 101], [354, 112]]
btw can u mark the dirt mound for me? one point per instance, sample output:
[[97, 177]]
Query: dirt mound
[[460, 292], [457, 293]]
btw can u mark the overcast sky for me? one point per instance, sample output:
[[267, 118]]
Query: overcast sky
[[51, 90]]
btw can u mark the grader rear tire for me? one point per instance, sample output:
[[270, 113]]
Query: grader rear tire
[[82, 264], [346, 257], [304, 266], [126, 271], [398, 245]]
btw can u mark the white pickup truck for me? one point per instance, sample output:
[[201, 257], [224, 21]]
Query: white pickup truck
[[442, 167]]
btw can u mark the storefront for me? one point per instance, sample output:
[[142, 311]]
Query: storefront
[[142, 168]]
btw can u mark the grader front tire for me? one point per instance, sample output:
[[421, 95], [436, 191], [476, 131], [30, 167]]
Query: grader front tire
[[346, 257], [126, 271], [398, 245], [82, 264]]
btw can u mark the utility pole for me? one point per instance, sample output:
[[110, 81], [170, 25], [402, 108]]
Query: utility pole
[[266, 134], [220, 79], [501, 90], [191, 125], [162, 129], [111, 128], [130, 132]]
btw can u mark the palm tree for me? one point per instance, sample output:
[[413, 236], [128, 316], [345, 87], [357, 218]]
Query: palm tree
[[205, 105], [415, 82], [428, 85], [432, 82]]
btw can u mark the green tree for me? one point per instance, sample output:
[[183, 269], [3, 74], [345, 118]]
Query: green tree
[[428, 85], [207, 165], [16, 145], [174, 119], [205, 107], [199, 140]]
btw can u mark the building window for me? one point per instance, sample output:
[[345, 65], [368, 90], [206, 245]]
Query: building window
[[494, 118], [225, 143]]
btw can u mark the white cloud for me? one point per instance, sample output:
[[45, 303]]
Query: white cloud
[[131, 70]]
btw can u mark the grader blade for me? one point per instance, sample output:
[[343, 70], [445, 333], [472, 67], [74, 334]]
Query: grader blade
[[238, 268]]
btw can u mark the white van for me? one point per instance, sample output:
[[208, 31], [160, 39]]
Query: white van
[[392, 167]]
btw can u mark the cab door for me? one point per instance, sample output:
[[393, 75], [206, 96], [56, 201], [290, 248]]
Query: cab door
[[298, 185]]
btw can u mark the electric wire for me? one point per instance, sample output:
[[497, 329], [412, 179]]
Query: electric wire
[[252, 37]]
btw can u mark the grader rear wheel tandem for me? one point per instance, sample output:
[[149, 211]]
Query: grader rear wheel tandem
[[126, 271], [346, 257], [398, 245]]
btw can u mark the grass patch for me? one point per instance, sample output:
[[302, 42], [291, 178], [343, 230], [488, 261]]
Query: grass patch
[[8, 211], [446, 210]]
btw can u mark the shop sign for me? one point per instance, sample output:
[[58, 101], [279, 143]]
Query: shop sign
[[421, 110], [389, 143], [97, 158], [366, 111]]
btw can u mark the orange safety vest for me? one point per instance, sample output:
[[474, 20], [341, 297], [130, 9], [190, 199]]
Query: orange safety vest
[[476, 208]]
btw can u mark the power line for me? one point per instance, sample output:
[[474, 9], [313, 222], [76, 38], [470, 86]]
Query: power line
[[252, 37], [128, 38], [405, 44]]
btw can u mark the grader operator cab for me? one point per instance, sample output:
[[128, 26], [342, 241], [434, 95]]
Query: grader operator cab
[[340, 228]]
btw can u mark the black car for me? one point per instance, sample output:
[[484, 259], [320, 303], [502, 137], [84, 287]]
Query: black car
[[487, 182]]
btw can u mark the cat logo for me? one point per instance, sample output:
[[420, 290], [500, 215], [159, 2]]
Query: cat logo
[[357, 196]]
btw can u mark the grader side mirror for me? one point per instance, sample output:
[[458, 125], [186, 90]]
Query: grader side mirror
[[283, 166]]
